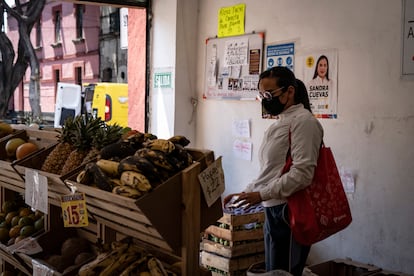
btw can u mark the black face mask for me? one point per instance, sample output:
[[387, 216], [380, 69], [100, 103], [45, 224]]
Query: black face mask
[[274, 106]]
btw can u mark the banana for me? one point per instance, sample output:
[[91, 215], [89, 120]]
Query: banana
[[138, 164], [158, 158], [121, 263], [131, 269], [109, 167], [127, 191], [160, 144], [155, 267], [149, 136], [84, 177], [99, 177], [115, 182], [102, 261], [135, 180], [179, 139]]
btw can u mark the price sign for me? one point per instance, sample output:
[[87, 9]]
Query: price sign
[[74, 210], [212, 182]]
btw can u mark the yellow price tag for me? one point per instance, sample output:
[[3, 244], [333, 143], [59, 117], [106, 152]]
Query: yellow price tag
[[74, 210]]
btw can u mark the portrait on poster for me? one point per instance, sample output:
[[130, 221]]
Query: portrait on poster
[[320, 77]]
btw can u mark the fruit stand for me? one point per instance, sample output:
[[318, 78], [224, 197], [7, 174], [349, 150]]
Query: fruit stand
[[168, 219]]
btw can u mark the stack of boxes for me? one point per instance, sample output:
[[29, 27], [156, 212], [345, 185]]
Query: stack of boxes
[[235, 243]]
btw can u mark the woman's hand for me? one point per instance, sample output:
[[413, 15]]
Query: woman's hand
[[249, 199], [228, 198], [246, 199]]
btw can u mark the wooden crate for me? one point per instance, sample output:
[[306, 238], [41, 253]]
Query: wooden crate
[[237, 231], [170, 217], [243, 243], [231, 266]]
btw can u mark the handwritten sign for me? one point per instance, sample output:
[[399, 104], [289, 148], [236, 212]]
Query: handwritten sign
[[242, 150], [231, 20], [212, 181], [74, 210]]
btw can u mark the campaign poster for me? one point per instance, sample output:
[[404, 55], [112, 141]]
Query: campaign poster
[[320, 75]]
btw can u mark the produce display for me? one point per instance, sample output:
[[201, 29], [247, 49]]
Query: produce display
[[18, 221], [112, 158], [125, 259], [5, 129], [71, 254], [14, 148]]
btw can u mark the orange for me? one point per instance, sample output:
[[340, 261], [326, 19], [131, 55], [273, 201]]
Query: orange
[[25, 149]]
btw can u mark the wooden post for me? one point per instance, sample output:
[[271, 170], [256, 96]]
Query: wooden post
[[190, 250]]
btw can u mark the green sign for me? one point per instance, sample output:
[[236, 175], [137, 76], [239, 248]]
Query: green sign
[[162, 80]]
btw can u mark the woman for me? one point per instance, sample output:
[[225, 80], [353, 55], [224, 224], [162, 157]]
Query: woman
[[322, 70], [285, 97]]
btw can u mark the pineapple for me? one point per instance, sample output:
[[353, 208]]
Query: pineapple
[[56, 159], [85, 129], [104, 136]]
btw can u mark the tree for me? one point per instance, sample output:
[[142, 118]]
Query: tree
[[12, 69]]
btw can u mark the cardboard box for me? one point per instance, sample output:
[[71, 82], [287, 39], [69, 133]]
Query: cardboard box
[[343, 267]]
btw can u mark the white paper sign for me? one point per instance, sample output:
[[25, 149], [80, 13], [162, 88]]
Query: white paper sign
[[28, 246], [242, 150], [241, 128], [347, 179], [212, 182], [36, 190]]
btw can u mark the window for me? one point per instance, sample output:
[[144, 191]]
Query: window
[[79, 10], [57, 79], [114, 22], [78, 75], [38, 34], [58, 25]]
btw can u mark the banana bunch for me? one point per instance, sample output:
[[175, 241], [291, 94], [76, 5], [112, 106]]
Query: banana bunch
[[138, 173], [125, 259]]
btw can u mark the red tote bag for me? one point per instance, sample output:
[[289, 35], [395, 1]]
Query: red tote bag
[[321, 209]]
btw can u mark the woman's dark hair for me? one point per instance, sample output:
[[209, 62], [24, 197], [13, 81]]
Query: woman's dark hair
[[301, 95], [315, 74], [284, 78]]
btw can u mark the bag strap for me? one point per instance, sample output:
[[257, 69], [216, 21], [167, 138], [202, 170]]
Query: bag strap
[[288, 162]]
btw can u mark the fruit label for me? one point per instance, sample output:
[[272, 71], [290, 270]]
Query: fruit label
[[74, 210], [212, 182], [40, 269]]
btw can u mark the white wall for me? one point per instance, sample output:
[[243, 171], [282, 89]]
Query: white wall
[[174, 50], [375, 127]]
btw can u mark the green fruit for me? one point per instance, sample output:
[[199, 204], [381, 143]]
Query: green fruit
[[39, 224], [14, 221], [12, 145], [23, 221], [10, 216], [27, 230], [8, 206]]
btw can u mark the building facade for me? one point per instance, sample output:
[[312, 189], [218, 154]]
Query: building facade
[[66, 40]]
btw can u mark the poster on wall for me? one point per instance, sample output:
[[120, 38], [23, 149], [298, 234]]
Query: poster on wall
[[407, 68], [280, 55], [233, 65], [320, 75], [231, 20]]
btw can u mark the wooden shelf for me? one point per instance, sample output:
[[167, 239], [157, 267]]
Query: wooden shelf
[[170, 218]]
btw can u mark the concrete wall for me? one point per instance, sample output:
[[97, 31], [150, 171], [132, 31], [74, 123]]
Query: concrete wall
[[375, 127]]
